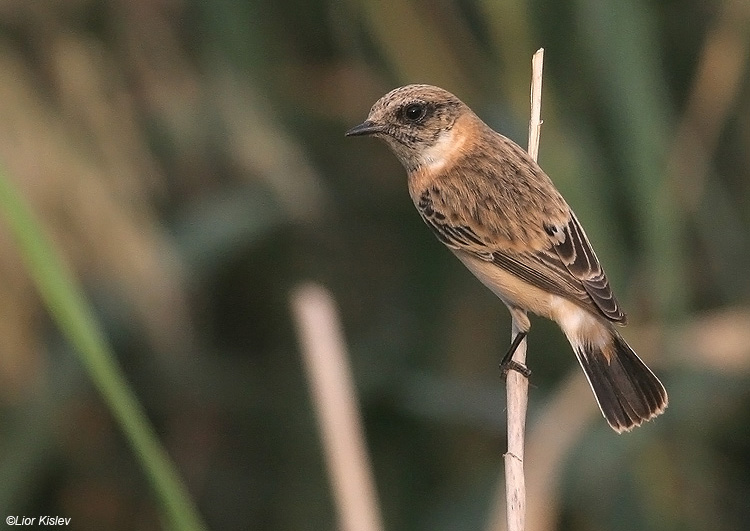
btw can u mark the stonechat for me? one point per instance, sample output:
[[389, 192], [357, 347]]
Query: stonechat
[[492, 205]]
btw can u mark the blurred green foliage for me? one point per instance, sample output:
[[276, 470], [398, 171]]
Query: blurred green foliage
[[73, 315], [188, 161]]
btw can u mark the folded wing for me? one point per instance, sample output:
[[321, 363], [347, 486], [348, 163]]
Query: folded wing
[[562, 263]]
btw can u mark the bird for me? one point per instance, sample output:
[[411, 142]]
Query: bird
[[492, 205]]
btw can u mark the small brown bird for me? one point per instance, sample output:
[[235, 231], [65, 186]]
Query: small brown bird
[[487, 200]]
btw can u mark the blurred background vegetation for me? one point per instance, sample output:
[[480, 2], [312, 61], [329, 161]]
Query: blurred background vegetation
[[187, 159]]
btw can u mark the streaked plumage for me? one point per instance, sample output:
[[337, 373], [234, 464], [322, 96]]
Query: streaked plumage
[[490, 203]]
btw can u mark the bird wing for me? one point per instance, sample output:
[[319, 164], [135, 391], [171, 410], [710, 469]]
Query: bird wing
[[562, 260], [573, 249]]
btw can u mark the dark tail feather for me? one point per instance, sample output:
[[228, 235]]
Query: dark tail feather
[[627, 391]]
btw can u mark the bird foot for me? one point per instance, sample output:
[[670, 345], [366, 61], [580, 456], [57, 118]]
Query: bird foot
[[509, 364], [512, 365]]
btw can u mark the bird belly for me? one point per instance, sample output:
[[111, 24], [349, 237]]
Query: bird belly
[[513, 291], [578, 325]]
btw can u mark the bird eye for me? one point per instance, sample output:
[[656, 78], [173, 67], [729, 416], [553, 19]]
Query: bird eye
[[414, 112]]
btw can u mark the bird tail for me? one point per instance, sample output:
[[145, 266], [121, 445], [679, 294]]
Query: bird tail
[[627, 391]]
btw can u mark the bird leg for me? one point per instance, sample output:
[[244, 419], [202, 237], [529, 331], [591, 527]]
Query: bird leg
[[508, 364]]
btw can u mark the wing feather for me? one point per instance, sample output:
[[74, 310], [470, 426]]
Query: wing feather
[[575, 252], [565, 265]]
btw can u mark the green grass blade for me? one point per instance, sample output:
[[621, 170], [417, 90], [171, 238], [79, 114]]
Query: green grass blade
[[73, 315]]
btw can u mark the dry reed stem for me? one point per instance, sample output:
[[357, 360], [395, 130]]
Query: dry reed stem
[[332, 388], [517, 384]]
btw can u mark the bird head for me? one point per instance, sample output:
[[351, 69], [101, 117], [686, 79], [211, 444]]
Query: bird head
[[417, 122]]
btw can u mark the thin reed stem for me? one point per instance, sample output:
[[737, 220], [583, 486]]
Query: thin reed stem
[[517, 384]]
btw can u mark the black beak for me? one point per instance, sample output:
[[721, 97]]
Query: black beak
[[365, 128]]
